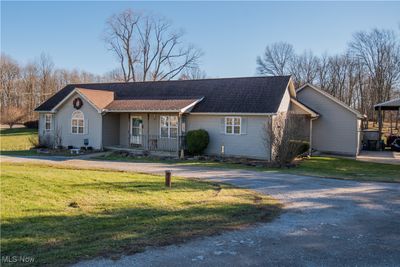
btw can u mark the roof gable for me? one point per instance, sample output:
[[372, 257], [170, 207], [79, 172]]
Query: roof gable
[[228, 95], [332, 98], [99, 98]]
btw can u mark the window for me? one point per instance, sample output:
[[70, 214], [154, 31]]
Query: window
[[77, 122], [233, 125], [169, 126], [47, 122]]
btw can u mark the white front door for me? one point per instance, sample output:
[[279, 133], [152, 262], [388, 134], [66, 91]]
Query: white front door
[[136, 130]]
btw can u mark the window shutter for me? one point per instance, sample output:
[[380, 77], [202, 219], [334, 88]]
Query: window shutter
[[86, 126], [243, 127], [222, 126]]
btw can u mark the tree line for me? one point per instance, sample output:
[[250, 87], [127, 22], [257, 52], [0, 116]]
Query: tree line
[[146, 47], [367, 73], [24, 87]]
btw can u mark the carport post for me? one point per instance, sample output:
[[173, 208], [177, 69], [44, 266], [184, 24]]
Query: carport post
[[380, 126]]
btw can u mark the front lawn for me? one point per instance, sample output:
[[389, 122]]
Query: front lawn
[[350, 169], [16, 141], [63, 215]]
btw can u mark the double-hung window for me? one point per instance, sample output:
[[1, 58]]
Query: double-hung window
[[233, 125], [47, 122], [168, 126], [77, 122]]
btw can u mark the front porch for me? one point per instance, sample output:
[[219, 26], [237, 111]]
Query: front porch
[[161, 133]]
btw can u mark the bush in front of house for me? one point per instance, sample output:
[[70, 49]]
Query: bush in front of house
[[300, 147], [197, 141], [32, 124]]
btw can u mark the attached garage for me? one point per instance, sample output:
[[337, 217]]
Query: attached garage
[[337, 130]]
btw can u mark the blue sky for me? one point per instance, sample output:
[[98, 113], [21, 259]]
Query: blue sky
[[231, 34]]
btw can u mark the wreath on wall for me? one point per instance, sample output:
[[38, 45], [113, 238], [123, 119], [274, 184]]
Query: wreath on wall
[[78, 103]]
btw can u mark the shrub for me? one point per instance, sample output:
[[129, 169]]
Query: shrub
[[45, 142], [197, 141], [300, 147], [32, 124], [33, 141]]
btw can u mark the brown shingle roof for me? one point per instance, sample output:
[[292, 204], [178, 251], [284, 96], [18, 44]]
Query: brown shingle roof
[[150, 104], [226, 95], [99, 98]]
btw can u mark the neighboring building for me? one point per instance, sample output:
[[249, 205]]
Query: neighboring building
[[155, 116]]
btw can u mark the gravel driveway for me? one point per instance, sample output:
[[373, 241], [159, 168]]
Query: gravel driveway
[[327, 222]]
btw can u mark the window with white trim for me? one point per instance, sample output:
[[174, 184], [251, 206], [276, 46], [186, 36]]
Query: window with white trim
[[233, 125], [77, 122], [47, 122], [168, 126]]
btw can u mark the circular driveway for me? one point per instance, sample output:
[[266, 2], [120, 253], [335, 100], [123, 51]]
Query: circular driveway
[[326, 222]]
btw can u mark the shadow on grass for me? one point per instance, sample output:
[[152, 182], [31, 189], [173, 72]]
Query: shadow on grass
[[180, 185], [17, 131], [27, 152], [66, 239]]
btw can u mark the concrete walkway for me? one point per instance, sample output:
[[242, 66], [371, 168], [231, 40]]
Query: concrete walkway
[[327, 222], [388, 157]]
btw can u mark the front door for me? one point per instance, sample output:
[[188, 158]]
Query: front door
[[136, 130]]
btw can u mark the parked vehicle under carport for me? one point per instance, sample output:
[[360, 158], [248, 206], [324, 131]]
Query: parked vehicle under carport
[[395, 146]]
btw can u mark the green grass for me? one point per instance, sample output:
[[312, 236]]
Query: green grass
[[349, 169], [115, 213], [326, 167], [16, 141]]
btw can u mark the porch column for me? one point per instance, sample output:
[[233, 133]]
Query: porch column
[[148, 131], [178, 145]]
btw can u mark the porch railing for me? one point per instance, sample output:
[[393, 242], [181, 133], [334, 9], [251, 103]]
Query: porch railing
[[158, 143]]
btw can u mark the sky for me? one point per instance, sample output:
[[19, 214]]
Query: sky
[[230, 34]]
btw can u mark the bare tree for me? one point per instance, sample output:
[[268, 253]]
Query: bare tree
[[367, 73], [30, 88], [9, 75], [148, 48], [379, 51], [305, 68], [276, 60], [286, 137], [12, 115], [193, 74], [45, 70], [119, 36]]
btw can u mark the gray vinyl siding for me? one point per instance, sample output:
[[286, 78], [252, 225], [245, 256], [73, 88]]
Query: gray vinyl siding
[[111, 129], [336, 129], [250, 144], [93, 125], [124, 129]]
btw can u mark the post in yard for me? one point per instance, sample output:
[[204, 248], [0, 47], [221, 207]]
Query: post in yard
[[168, 178]]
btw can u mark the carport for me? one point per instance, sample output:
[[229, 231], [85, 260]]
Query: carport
[[393, 105]]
